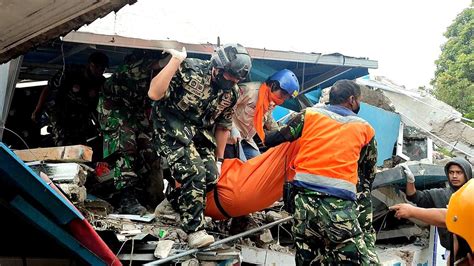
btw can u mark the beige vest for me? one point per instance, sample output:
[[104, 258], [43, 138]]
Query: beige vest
[[244, 111]]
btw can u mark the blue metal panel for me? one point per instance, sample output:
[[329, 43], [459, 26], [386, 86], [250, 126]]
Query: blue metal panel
[[386, 125], [19, 175], [314, 96], [50, 228], [261, 70], [279, 112]]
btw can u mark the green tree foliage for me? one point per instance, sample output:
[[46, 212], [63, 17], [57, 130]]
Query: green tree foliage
[[454, 76]]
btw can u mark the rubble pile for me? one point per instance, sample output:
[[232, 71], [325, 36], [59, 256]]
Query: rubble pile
[[158, 235]]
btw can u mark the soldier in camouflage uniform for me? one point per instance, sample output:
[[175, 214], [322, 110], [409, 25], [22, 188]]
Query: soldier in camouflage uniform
[[71, 99], [192, 118], [334, 142], [124, 120], [366, 169]]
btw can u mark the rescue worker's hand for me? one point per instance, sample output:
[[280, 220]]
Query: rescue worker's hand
[[219, 166], [409, 174], [403, 210], [177, 54], [235, 136]]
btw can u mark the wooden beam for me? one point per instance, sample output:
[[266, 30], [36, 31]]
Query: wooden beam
[[76, 153]]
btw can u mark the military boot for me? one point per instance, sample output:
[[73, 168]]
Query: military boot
[[199, 239], [129, 203]]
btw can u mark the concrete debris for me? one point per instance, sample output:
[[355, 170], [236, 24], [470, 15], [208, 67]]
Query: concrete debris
[[280, 248], [170, 217], [272, 216], [439, 118], [266, 257], [266, 237], [190, 262], [71, 173], [247, 242], [77, 194], [377, 98], [162, 235], [163, 248], [129, 226], [181, 234], [76, 153], [209, 223], [98, 207]]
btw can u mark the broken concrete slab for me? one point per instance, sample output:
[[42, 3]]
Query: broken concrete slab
[[266, 257], [438, 119], [72, 173], [403, 255], [425, 174], [163, 248], [75, 153]]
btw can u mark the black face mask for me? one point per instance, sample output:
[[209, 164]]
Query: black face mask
[[223, 83], [356, 111]]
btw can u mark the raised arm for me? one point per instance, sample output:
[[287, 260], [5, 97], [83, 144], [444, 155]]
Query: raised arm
[[160, 83]]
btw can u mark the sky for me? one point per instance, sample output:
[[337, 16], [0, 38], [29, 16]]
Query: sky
[[403, 36]]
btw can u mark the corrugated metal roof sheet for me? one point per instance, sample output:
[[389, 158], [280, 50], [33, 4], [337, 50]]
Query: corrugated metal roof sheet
[[27, 24]]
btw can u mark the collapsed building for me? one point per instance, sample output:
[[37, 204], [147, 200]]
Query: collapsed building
[[157, 236], [39, 210]]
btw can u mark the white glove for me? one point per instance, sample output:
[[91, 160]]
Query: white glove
[[408, 173], [177, 54], [219, 166]]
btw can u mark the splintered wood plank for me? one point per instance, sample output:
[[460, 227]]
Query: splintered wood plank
[[75, 153]]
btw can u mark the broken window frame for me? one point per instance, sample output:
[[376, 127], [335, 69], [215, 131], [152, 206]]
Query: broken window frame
[[406, 157]]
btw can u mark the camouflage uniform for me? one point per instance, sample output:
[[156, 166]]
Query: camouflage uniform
[[71, 105], [327, 228], [124, 121], [366, 172], [184, 122]]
